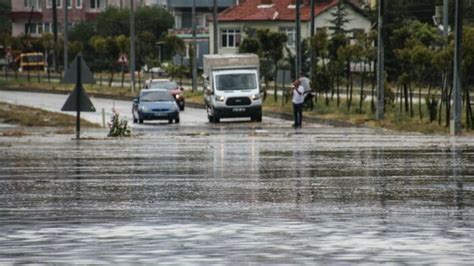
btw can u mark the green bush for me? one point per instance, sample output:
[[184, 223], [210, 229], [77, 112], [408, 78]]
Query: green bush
[[118, 127]]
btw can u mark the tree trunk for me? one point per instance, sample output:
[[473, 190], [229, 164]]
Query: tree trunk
[[469, 118], [123, 74], [405, 92], [338, 97], [443, 97], [111, 76], [448, 104], [275, 89], [362, 78], [411, 101], [348, 85], [420, 111]]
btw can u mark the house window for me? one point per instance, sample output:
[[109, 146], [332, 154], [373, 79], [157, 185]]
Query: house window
[[35, 28], [78, 4], [47, 27], [32, 4], [230, 38], [59, 3], [97, 4], [290, 33], [69, 4]]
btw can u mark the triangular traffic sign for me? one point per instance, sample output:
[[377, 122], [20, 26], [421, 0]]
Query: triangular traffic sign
[[85, 101], [71, 74]]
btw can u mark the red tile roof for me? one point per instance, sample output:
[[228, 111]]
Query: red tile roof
[[254, 10]]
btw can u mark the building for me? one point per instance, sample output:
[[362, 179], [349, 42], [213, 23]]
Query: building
[[40, 13], [182, 12], [280, 15]]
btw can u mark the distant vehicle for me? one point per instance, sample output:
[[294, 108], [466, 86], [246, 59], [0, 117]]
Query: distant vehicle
[[155, 104], [169, 85], [231, 87], [31, 61]]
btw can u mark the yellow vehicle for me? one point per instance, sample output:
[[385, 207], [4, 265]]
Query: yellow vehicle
[[30, 61]]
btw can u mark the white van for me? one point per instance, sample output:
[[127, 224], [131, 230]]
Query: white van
[[231, 87]]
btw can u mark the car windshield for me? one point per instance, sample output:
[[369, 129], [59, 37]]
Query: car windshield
[[156, 96], [163, 85], [229, 82]]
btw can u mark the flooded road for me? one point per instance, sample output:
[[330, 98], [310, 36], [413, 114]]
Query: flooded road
[[237, 193]]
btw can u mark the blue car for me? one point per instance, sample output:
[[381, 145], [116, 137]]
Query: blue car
[[155, 105]]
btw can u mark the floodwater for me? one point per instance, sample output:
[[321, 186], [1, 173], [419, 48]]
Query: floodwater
[[237, 193]]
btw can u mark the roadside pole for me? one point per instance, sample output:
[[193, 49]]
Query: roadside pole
[[455, 127], [298, 39], [78, 100], [132, 46], [312, 31], [194, 66], [66, 28], [215, 30], [380, 63]]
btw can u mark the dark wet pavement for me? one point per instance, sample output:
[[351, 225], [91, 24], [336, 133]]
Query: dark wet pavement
[[237, 193]]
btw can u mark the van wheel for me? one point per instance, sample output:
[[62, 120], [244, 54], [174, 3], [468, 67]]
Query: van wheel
[[176, 120], [258, 118], [140, 121], [170, 121], [216, 119]]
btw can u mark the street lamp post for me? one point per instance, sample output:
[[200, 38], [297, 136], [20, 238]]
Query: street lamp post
[[455, 128], [66, 41], [132, 45], [380, 64], [298, 38], [215, 30], [194, 66]]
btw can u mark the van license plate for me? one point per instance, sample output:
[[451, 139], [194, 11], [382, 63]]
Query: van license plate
[[238, 109]]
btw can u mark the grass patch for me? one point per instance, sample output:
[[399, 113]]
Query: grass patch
[[34, 117]]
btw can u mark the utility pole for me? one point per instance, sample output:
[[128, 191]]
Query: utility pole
[[132, 46], [380, 63], [55, 35], [445, 17], [298, 38], [455, 128], [66, 22], [194, 57], [312, 31], [216, 31]]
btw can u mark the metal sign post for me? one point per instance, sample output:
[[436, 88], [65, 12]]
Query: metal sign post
[[78, 74]]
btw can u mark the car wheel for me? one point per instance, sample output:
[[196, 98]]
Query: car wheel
[[176, 120], [216, 119], [170, 121]]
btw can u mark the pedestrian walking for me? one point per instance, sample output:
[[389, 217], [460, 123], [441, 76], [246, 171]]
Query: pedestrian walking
[[298, 100]]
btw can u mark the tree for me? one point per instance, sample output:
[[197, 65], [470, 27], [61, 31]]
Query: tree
[[156, 20], [113, 22], [99, 44], [250, 45], [339, 20], [123, 46], [272, 44]]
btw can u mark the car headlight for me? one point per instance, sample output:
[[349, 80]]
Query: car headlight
[[220, 98], [143, 108], [255, 97]]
